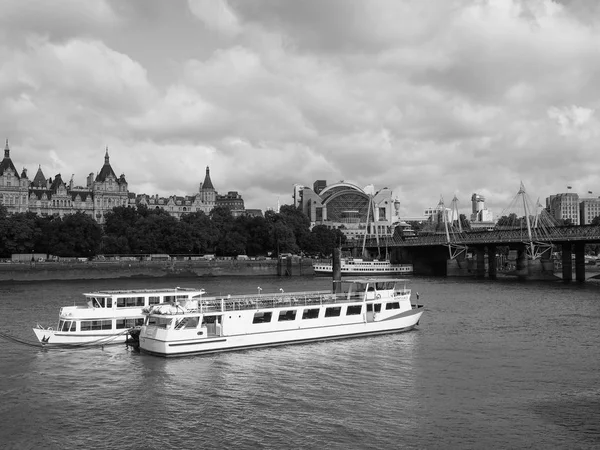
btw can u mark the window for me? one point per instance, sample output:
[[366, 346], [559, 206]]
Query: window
[[153, 300], [312, 313], [287, 315], [334, 311], [128, 323], [262, 317], [393, 305], [353, 310], [377, 307]]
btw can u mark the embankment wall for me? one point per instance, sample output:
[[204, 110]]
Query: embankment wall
[[41, 271]]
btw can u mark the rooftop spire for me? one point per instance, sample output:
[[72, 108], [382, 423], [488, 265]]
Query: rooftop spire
[[207, 183], [6, 150], [106, 159]]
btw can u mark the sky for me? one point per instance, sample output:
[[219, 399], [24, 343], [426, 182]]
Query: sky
[[430, 98]]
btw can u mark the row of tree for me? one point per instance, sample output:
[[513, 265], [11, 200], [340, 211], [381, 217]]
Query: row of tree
[[137, 231]]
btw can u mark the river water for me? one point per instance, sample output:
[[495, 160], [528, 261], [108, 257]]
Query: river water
[[493, 364]]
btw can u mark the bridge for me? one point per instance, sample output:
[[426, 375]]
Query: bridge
[[535, 237]]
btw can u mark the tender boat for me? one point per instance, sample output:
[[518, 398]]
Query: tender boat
[[108, 315], [360, 267], [363, 307]]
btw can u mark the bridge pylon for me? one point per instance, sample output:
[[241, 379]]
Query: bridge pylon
[[454, 249]]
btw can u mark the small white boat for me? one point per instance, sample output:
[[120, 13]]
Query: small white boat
[[214, 324], [108, 316], [360, 267]]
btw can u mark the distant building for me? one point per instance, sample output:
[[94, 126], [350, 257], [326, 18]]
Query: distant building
[[232, 201], [55, 197], [319, 185], [297, 195], [564, 206], [481, 217], [346, 207], [589, 209]]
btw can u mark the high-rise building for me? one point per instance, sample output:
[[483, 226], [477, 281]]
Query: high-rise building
[[480, 215], [564, 206]]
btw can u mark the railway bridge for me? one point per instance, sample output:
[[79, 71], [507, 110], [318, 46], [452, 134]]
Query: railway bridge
[[532, 234], [446, 253]]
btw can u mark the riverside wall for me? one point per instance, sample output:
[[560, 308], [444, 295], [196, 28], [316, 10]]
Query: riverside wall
[[41, 271]]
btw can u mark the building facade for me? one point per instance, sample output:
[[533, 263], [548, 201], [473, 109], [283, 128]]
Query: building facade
[[54, 197], [589, 209], [481, 217], [349, 208], [564, 206]]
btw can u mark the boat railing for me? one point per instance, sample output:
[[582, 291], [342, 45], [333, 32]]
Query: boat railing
[[265, 301]]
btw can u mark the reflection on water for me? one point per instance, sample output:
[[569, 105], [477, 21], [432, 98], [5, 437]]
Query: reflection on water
[[492, 365]]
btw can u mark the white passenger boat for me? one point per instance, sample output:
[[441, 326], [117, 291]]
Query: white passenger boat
[[360, 267], [108, 315], [213, 324]]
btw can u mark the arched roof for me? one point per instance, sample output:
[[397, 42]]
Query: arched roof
[[347, 205], [336, 187]]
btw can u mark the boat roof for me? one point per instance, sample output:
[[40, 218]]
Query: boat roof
[[174, 290]]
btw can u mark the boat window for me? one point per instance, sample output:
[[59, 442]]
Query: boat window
[[392, 305], [128, 302], [163, 322], [65, 325], [262, 317], [353, 310], [287, 315], [209, 319], [334, 311], [377, 307], [73, 326], [369, 307], [109, 302], [152, 300], [311, 313], [128, 323], [382, 285], [87, 325]]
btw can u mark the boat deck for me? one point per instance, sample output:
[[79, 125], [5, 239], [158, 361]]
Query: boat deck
[[292, 299]]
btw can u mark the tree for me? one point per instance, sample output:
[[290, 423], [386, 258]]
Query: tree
[[297, 221], [325, 240], [18, 233], [204, 234], [74, 235]]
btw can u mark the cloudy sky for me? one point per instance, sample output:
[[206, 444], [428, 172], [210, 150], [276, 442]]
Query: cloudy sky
[[427, 97]]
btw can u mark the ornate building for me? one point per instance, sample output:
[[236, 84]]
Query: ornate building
[[204, 200], [47, 197]]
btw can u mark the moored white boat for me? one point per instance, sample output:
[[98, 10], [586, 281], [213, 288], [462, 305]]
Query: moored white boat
[[107, 316], [360, 267], [214, 324]]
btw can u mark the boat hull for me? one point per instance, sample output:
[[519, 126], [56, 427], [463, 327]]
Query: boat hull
[[58, 338], [189, 347]]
